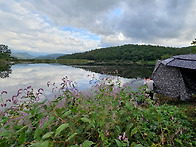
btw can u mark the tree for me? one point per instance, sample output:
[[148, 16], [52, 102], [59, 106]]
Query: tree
[[5, 52], [193, 42]]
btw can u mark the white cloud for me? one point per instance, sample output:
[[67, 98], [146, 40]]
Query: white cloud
[[23, 29], [74, 26]]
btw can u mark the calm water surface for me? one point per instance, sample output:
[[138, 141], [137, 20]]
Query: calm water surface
[[37, 75]]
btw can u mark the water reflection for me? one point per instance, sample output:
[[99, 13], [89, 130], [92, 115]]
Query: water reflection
[[5, 71], [37, 76], [129, 71]]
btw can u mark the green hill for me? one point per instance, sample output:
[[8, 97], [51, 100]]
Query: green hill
[[131, 52], [50, 56]]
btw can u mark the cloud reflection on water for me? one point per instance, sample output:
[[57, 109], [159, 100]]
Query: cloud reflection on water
[[37, 76]]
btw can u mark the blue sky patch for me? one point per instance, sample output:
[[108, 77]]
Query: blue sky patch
[[81, 33]]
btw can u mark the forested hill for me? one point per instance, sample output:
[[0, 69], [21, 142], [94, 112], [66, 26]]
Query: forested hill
[[131, 52]]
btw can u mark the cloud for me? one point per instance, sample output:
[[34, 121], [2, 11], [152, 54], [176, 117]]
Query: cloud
[[24, 29], [75, 26], [150, 20]]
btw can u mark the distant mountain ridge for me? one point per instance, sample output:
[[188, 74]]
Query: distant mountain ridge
[[25, 55], [50, 56], [22, 55]]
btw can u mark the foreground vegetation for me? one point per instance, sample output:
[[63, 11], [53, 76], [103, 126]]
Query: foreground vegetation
[[112, 115]]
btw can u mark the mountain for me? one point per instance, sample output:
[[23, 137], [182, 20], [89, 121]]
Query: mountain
[[50, 56], [22, 55]]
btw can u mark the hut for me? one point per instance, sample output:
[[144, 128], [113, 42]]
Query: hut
[[176, 76]]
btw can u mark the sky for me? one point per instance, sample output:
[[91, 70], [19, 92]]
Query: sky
[[70, 26]]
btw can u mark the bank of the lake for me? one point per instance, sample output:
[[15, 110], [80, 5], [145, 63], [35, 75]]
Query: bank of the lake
[[112, 116], [84, 62]]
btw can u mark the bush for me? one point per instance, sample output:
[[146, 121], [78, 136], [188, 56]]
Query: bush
[[111, 116]]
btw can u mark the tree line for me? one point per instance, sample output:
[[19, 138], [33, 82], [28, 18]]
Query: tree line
[[133, 52]]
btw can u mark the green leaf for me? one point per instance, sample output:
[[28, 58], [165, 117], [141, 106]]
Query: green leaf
[[85, 119], [67, 113], [61, 128], [118, 143], [129, 126], [138, 145], [5, 134], [179, 141], [71, 136], [87, 143], [44, 144], [47, 135], [134, 131], [47, 123], [133, 144], [21, 139], [21, 129]]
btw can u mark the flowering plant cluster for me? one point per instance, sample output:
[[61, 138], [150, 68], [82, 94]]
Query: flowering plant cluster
[[111, 115]]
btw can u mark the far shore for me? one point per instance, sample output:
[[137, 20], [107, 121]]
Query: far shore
[[81, 62]]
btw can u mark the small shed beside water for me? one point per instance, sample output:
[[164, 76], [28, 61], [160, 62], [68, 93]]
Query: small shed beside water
[[176, 76]]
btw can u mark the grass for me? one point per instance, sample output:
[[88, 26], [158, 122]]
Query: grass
[[187, 107]]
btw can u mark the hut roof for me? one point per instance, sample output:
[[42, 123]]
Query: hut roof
[[183, 61]]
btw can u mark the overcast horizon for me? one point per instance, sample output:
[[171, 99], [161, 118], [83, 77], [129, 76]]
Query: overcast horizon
[[64, 26]]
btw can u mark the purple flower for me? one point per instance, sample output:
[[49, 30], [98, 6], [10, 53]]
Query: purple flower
[[47, 118], [40, 125], [48, 83], [41, 89], [119, 137], [113, 116], [13, 97], [119, 102], [4, 92], [8, 100], [28, 87], [135, 104], [15, 101], [19, 91]]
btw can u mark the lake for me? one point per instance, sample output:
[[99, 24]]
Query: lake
[[37, 76]]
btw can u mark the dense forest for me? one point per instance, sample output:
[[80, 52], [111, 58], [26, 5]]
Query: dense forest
[[131, 52]]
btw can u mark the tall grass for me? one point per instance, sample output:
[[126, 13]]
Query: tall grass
[[113, 115]]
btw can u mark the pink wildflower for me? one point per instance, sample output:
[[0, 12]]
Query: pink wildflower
[[4, 92], [47, 118], [124, 135], [48, 84], [114, 116]]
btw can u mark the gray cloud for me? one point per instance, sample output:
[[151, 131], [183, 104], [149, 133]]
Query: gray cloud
[[141, 21], [37, 25], [153, 19]]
